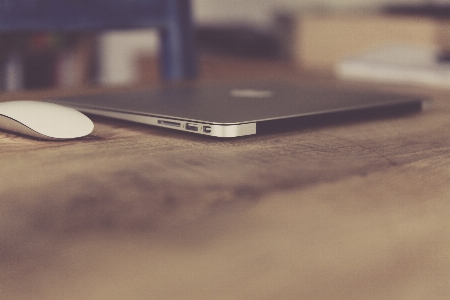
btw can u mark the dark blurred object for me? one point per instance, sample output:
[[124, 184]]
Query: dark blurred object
[[437, 10], [241, 41], [44, 60], [173, 19]]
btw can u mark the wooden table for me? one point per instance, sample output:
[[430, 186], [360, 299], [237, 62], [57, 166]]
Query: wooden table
[[350, 211]]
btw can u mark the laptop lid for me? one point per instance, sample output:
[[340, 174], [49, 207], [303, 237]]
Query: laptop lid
[[235, 109]]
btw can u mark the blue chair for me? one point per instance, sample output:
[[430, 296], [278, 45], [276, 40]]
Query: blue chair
[[172, 18]]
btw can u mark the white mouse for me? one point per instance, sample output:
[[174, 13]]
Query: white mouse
[[43, 120]]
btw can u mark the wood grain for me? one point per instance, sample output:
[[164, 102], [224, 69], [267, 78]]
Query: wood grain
[[350, 211]]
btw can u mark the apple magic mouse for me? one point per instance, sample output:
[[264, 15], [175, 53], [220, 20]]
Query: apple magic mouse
[[43, 120]]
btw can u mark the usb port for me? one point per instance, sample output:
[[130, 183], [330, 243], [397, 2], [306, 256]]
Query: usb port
[[191, 127], [207, 129]]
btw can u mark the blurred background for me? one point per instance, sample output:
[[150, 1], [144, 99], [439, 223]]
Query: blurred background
[[351, 39]]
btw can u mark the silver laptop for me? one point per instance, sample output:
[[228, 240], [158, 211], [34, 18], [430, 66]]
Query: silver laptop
[[232, 110]]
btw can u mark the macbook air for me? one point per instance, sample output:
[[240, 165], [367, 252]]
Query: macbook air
[[239, 109]]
